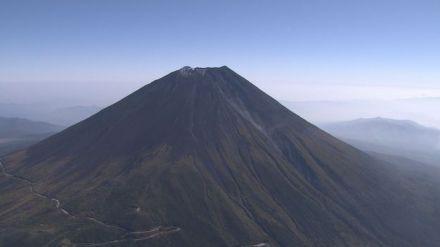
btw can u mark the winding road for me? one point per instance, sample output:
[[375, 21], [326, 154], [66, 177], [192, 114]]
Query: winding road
[[32, 189], [135, 236]]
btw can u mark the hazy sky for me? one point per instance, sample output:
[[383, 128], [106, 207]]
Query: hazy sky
[[99, 50]]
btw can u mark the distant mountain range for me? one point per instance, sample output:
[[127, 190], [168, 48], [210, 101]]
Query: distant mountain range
[[201, 157], [421, 110], [47, 112], [16, 133], [395, 137]]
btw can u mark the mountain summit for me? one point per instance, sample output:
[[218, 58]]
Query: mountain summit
[[202, 157]]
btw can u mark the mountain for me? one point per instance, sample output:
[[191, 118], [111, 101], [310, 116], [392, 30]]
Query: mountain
[[395, 137], [16, 133], [201, 157]]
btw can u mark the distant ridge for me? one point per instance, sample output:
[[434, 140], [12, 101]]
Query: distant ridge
[[389, 136], [17, 133], [19, 127]]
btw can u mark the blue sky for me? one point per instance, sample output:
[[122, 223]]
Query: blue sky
[[106, 48]]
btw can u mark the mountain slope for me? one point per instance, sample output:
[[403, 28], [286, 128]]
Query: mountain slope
[[213, 159]]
